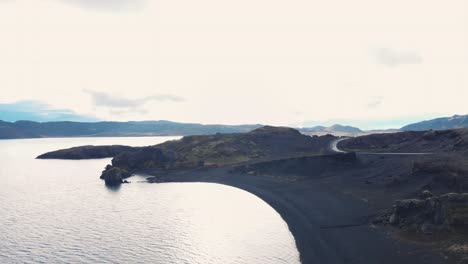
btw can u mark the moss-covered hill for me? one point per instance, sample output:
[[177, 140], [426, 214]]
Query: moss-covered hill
[[264, 143]]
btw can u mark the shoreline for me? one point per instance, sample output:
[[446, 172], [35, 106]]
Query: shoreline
[[327, 197], [328, 226]]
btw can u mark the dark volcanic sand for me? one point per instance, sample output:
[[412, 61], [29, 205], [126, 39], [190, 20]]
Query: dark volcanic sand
[[328, 214], [328, 201]]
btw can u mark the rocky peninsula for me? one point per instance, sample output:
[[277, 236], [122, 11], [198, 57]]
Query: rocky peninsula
[[388, 198]]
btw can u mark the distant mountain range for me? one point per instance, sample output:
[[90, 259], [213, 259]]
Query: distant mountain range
[[331, 129], [456, 121], [30, 129]]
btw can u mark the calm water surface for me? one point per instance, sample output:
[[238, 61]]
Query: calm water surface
[[57, 211]]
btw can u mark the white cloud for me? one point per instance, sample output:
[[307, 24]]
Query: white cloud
[[113, 101], [375, 102], [394, 58], [113, 5]]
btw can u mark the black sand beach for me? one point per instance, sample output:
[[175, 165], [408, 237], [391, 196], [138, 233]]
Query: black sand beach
[[330, 199], [329, 222]]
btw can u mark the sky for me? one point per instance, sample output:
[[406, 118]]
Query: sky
[[370, 63]]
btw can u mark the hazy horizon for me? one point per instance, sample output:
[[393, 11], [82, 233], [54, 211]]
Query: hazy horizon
[[367, 64]]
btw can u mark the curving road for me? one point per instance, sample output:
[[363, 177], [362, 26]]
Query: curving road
[[334, 145], [334, 148]]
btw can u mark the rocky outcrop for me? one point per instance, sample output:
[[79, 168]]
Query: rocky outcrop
[[88, 152], [114, 175], [447, 173], [428, 213], [145, 158], [192, 152]]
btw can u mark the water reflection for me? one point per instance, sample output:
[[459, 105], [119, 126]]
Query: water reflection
[[58, 211], [113, 187]]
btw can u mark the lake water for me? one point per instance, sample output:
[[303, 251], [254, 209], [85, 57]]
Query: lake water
[[58, 211]]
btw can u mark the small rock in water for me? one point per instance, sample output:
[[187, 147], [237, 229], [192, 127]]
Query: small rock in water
[[114, 175]]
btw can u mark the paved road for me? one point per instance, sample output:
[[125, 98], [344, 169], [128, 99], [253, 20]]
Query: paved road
[[334, 148], [334, 145]]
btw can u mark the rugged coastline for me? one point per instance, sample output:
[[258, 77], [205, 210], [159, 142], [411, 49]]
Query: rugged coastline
[[336, 204]]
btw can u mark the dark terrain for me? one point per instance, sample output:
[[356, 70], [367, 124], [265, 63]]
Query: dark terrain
[[437, 141], [265, 143], [387, 200]]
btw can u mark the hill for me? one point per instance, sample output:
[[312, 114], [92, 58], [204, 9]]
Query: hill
[[9, 130], [265, 143], [456, 121]]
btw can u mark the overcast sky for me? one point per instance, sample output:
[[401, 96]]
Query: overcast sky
[[363, 62]]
